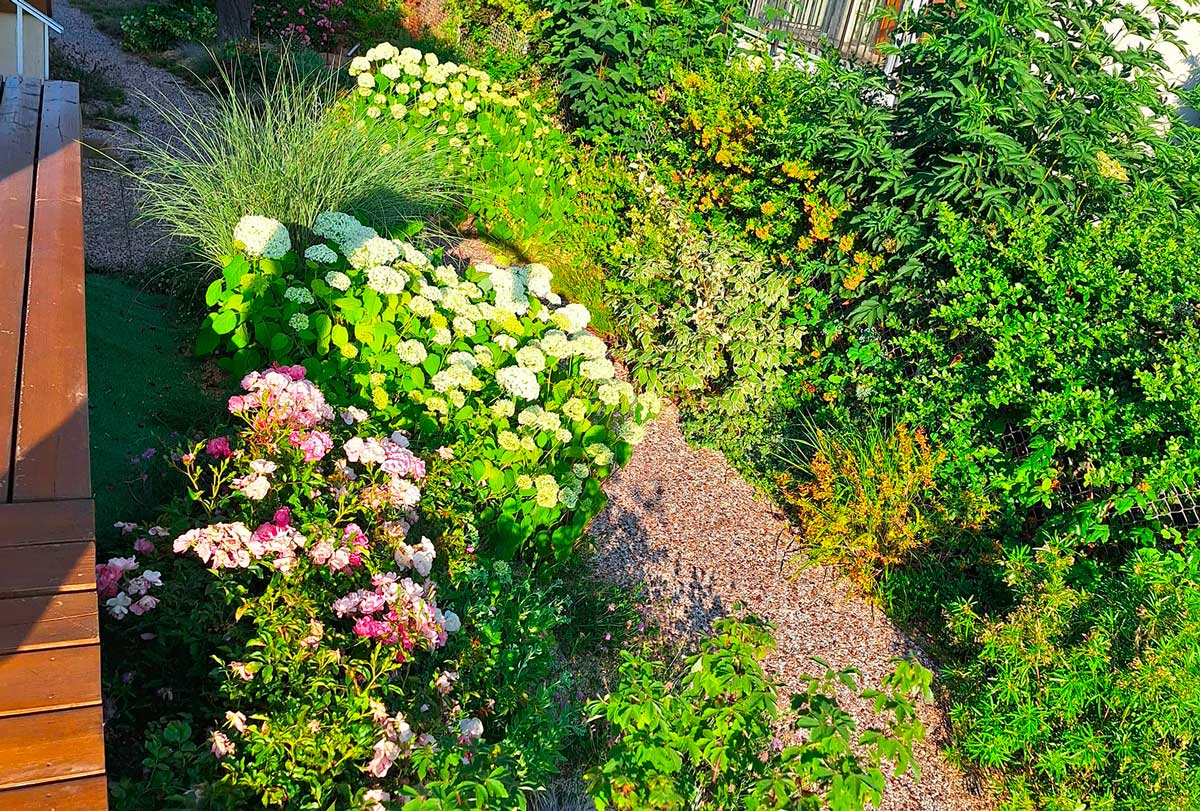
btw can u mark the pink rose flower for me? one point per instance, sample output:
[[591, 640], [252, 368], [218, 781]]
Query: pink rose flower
[[218, 447]]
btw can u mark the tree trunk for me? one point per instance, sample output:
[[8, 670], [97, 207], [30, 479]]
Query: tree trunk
[[233, 19]]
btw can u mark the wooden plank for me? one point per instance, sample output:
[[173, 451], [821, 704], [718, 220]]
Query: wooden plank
[[47, 680], [55, 621], [38, 522], [49, 746], [19, 104], [55, 568], [80, 794], [51, 458]]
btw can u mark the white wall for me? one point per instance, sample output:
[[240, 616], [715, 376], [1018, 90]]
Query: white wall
[[35, 44]]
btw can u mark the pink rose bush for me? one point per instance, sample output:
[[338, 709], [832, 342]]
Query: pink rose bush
[[124, 590], [308, 526]]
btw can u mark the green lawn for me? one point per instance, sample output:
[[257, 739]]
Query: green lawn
[[144, 386]]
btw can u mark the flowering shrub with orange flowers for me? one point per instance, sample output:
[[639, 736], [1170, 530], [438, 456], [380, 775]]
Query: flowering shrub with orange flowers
[[872, 499], [735, 156]]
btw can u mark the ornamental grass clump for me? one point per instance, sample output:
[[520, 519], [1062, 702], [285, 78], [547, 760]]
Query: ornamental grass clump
[[270, 143], [490, 365]]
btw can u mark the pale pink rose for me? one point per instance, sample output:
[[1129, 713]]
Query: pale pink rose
[[386, 752], [145, 604], [143, 546], [123, 564], [242, 671], [321, 552], [236, 720], [254, 487], [470, 730], [221, 745]]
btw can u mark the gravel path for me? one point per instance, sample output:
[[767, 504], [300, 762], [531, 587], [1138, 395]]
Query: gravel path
[[685, 524], [114, 240]]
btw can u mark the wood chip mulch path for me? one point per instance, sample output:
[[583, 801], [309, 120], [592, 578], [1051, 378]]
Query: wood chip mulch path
[[683, 523]]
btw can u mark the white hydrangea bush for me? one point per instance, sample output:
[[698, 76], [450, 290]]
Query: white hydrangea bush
[[489, 365], [503, 141]]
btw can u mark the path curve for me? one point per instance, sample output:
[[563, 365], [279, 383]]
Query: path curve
[[115, 240], [684, 523]]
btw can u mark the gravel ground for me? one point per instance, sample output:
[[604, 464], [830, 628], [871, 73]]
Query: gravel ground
[[683, 523], [114, 240]]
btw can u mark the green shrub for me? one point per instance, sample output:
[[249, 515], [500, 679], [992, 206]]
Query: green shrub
[[1056, 367], [612, 56], [733, 150], [156, 28], [508, 149], [491, 366], [270, 144], [1085, 695], [701, 738], [703, 316]]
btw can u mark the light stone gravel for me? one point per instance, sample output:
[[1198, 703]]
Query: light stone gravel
[[682, 522], [114, 240]]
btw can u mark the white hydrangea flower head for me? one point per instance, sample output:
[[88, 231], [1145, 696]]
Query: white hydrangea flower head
[[508, 441], [518, 382], [531, 358], [421, 306], [321, 253], [539, 280], [464, 326], [504, 408], [442, 336], [572, 318], [339, 228], [597, 369], [575, 408], [467, 359], [299, 295], [337, 280], [588, 346], [371, 251], [412, 352], [411, 255], [386, 280], [556, 344], [262, 237], [298, 322]]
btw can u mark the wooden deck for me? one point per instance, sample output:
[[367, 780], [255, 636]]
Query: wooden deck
[[51, 720]]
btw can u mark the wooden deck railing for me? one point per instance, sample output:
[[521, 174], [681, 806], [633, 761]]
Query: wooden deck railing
[[51, 720]]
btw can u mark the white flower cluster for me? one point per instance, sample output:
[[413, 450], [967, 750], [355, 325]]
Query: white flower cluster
[[519, 382], [387, 281], [262, 237], [322, 254], [362, 246], [299, 295]]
